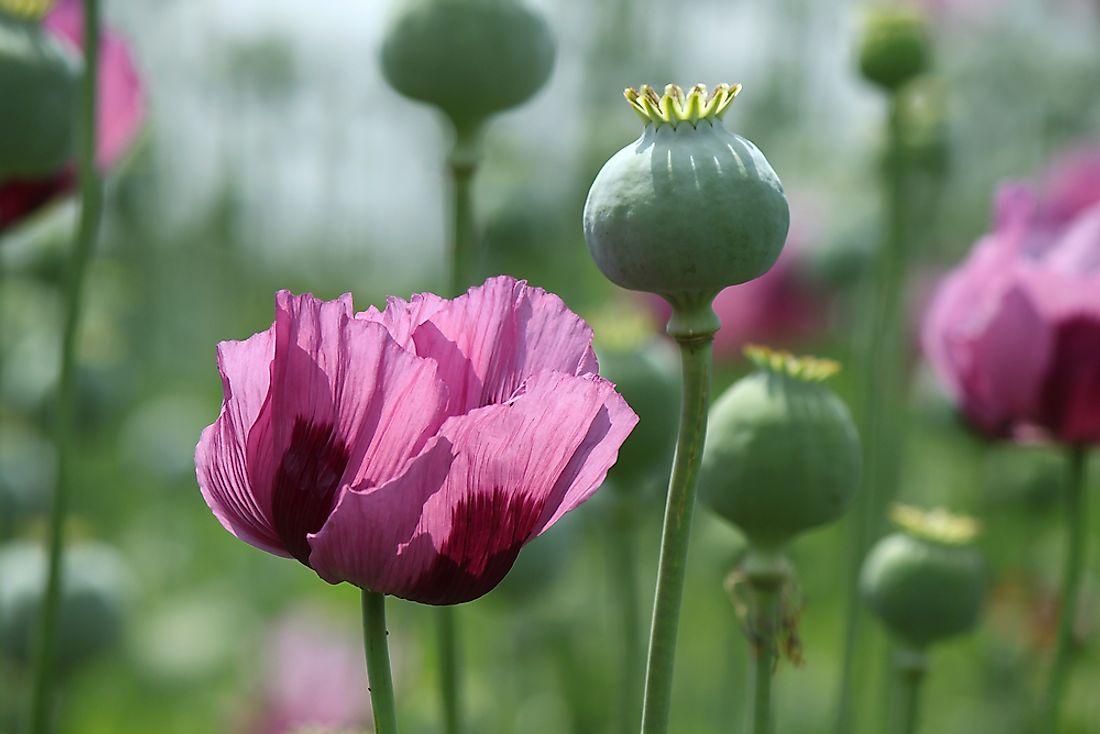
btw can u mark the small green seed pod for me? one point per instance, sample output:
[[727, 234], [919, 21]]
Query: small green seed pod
[[782, 453], [470, 58], [97, 585], [647, 378], [38, 76], [689, 208], [895, 47], [925, 583]]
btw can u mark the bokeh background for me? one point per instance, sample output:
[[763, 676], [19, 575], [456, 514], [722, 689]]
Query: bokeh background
[[275, 156]]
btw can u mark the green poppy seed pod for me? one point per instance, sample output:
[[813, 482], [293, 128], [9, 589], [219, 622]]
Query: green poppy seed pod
[[782, 454], [647, 378], [38, 76], [689, 208], [97, 585], [925, 583], [894, 48], [470, 58]]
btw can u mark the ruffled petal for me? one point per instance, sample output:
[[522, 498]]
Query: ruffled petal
[[1070, 398], [488, 341], [450, 528], [347, 406], [220, 457]]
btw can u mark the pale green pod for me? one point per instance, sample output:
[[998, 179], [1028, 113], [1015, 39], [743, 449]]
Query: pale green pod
[[782, 454], [97, 587], [38, 76], [895, 47], [689, 208], [924, 586], [469, 58]]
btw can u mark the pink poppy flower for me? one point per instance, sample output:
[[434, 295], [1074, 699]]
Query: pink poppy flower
[[121, 113], [315, 678], [1014, 332], [411, 451]]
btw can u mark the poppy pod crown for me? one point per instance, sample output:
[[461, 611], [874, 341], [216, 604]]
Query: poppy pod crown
[[414, 450]]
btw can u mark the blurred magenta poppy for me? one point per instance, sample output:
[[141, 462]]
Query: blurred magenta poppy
[[314, 678], [121, 113], [1014, 332], [411, 451]]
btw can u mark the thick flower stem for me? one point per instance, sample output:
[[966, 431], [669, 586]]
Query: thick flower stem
[[377, 648], [90, 197], [1077, 517], [450, 683], [695, 356], [881, 411], [765, 624], [465, 262], [624, 581], [911, 667]]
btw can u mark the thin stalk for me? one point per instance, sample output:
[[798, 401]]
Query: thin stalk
[[695, 357], [1076, 517], [90, 197], [464, 262], [624, 581], [462, 164], [880, 411], [764, 648], [377, 647], [450, 682], [911, 667]]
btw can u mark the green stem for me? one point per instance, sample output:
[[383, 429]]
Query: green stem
[[376, 644], [881, 413], [450, 682], [462, 163], [695, 357], [764, 647], [1076, 516], [90, 197], [624, 572], [911, 667]]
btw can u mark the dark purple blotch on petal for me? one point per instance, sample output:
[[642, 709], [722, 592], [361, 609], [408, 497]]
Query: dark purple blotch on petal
[[1071, 389], [306, 484], [487, 531]]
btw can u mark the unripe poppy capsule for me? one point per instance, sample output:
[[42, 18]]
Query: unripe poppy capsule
[[782, 453], [470, 58], [38, 75], [926, 582], [895, 47], [689, 208]]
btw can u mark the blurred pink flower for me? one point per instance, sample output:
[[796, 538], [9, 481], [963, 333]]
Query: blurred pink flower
[[1071, 185], [1014, 332], [779, 307], [121, 113], [415, 450], [315, 677]]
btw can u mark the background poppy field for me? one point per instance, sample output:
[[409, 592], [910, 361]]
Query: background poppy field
[[272, 154]]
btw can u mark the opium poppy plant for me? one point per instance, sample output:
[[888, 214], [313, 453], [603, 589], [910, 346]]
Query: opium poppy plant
[[411, 451]]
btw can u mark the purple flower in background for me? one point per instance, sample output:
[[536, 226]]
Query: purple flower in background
[[121, 113], [411, 451], [1014, 332], [314, 678]]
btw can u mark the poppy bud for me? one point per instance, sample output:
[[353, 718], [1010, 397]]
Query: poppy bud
[[894, 48], [470, 58], [38, 75], [782, 453], [926, 582]]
